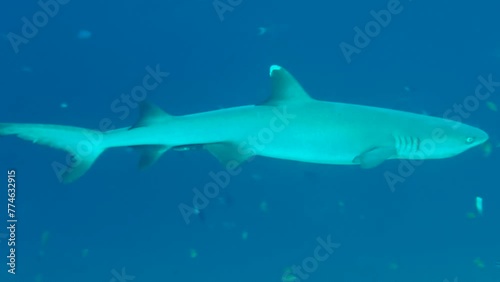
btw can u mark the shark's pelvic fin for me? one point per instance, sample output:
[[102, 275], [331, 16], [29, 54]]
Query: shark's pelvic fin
[[150, 154], [285, 88], [228, 152], [151, 114], [374, 157]]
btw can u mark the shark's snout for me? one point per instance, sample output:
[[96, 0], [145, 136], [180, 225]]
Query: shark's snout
[[482, 137], [476, 136]]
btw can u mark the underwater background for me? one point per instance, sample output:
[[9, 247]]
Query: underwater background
[[120, 224]]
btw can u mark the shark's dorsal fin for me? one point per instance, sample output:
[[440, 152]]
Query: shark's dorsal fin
[[150, 114], [285, 88]]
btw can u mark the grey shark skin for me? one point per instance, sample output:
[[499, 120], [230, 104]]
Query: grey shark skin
[[289, 125]]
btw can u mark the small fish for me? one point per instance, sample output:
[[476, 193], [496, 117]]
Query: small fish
[[492, 106], [84, 34], [479, 263], [487, 148], [479, 205], [288, 276], [200, 214], [244, 235]]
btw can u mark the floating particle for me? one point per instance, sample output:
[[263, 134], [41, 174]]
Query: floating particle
[[407, 89], [244, 235], [193, 253], [84, 34], [199, 213], [196, 211], [479, 263], [341, 206], [26, 69], [45, 238], [471, 215], [479, 205], [256, 177], [263, 206], [229, 225], [393, 266], [492, 106], [85, 253], [274, 29], [63, 105]]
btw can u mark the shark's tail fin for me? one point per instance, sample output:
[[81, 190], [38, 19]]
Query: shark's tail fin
[[83, 145]]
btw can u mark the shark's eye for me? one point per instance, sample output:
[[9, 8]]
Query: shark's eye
[[469, 140]]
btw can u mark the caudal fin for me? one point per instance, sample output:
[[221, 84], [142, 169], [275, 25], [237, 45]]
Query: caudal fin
[[83, 145]]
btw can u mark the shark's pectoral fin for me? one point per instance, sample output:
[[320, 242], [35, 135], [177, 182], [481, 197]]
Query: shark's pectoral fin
[[228, 152], [150, 154], [374, 157]]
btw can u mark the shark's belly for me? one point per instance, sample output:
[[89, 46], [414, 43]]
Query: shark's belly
[[308, 145], [298, 134], [308, 138]]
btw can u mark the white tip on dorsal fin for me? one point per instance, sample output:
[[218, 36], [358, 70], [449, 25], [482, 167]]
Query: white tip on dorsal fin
[[151, 114], [285, 89]]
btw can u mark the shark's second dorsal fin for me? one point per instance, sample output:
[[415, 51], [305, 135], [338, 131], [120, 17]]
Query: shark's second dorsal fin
[[150, 114], [285, 88]]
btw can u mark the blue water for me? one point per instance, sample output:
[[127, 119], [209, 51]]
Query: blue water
[[120, 224]]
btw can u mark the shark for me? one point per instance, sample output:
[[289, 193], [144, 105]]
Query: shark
[[289, 125]]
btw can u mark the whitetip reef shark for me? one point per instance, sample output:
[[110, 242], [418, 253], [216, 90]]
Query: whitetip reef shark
[[289, 125]]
